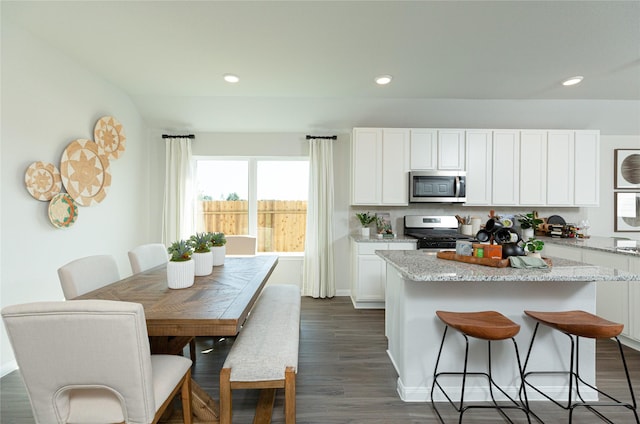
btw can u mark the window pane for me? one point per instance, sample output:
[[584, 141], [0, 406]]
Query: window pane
[[223, 187], [282, 188]]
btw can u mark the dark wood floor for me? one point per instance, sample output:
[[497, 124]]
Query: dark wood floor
[[345, 377]]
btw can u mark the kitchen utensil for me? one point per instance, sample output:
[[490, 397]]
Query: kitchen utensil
[[493, 225], [506, 235], [511, 249], [483, 235], [556, 219]]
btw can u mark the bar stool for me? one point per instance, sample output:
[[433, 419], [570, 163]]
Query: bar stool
[[489, 326], [576, 324]]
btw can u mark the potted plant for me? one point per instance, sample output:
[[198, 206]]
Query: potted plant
[[366, 219], [533, 246], [181, 268], [218, 240], [384, 227], [529, 223], [202, 256]]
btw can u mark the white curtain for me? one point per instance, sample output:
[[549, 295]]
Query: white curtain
[[177, 218], [318, 276]]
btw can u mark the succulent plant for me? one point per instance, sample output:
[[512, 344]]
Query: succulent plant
[[180, 251], [218, 239], [200, 242], [366, 218]]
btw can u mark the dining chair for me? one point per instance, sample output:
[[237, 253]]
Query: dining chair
[[241, 245], [142, 258], [148, 256], [86, 274], [97, 366]]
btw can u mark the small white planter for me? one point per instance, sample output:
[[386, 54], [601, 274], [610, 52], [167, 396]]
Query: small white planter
[[180, 275], [366, 231], [527, 234], [219, 253], [534, 254], [203, 263]]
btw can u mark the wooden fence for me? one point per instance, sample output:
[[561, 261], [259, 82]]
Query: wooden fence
[[281, 223]]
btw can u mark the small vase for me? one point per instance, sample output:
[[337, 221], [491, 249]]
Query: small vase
[[366, 231], [534, 254], [219, 253], [180, 275], [527, 234], [203, 263]]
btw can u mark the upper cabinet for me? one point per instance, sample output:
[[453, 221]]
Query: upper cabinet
[[433, 149], [587, 168], [506, 167], [560, 168], [380, 166], [479, 151], [533, 168]]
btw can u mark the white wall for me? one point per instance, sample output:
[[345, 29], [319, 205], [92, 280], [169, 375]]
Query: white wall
[[47, 101]]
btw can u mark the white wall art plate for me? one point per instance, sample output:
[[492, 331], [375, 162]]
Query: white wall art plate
[[43, 180], [109, 136]]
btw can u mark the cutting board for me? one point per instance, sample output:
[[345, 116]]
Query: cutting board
[[452, 256]]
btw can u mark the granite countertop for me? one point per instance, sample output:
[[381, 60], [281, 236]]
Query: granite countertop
[[603, 244], [422, 265], [374, 239]]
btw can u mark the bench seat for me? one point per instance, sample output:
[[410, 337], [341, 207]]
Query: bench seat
[[265, 353]]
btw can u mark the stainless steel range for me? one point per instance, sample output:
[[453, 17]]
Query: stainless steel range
[[434, 232]]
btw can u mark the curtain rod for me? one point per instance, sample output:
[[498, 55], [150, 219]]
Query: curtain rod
[[178, 136], [330, 137]]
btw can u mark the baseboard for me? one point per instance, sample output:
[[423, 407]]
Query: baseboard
[[8, 368]]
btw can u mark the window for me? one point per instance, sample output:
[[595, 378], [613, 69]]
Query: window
[[262, 197]]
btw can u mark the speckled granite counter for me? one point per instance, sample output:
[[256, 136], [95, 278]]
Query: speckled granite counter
[[605, 244], [374, 239], [420, 265]]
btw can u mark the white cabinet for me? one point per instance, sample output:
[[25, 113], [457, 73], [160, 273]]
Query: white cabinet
[[560, 168], [479, 149], [380, 165], [505, 183], [424, 149], [634, 301], [369, 272], [533, 168], [587, 168], [433, 149]]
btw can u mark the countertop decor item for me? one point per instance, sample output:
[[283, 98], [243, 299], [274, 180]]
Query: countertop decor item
[[43, 180], [109, 136], [181, 268], [627, 168], [365, 219], [218, 248], [63, 211], [85, 172]]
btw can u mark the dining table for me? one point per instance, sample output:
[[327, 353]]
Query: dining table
[[215, 305]]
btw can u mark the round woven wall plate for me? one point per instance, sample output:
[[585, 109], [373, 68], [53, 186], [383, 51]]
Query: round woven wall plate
[[63, 211], [43, 180], [85, 172], [109, 137]]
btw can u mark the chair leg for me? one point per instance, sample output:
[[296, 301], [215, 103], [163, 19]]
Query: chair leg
[[225, 396], [290, 396], [186, 399], [192, 350]]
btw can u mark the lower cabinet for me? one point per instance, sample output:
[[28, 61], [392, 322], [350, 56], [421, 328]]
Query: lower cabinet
[[368, 279], [617, 301]]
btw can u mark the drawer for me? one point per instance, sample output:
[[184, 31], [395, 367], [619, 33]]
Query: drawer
[[402, 246], [370, 248]]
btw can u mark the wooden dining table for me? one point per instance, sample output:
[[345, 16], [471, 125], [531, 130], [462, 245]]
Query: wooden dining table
[[216, 305]]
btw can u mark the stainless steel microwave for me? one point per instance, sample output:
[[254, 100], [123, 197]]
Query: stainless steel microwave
[[437, 187]]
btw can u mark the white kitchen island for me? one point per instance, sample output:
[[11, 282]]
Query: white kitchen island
[[419, 284]]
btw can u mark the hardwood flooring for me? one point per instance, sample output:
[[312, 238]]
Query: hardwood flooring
[[345, 377]]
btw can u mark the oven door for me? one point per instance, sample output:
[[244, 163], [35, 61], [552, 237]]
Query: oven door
[[437, 187]]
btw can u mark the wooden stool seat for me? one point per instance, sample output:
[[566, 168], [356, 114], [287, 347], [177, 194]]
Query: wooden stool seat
[[485, 325], [579, 323]]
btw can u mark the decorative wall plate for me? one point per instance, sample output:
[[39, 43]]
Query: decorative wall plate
[[63, 211], [627, 168], [85, 172], [42, 180], [109, 137]]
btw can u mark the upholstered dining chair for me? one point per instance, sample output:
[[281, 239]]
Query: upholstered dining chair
[[86, 274], [241, 245], [147, 256], [97, 366]]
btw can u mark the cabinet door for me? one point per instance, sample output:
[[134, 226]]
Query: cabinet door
[[560, 168], [533, 167], [505, 184], [587, 168], [424, 149], [451, 149], [366, 166], [612, 297], [395, 167], [634, 301], [478, 148], [371, 278]]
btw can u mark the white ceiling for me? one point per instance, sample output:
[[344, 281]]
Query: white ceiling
[[169, 56]]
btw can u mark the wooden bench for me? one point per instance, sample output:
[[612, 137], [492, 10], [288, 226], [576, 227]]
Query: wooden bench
[[265, 354]]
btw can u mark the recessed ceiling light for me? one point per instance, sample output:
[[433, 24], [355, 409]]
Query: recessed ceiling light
[[231, 78], [383, 79], [573, 80]]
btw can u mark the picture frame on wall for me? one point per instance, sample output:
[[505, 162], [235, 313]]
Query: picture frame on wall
[[626, 211], [627, 168]]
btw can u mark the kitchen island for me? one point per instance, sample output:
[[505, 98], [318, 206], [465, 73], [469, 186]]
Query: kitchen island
[[419, 284]]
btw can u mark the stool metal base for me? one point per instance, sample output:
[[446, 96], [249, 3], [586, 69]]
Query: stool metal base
[[460, 407], [575, 380]]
